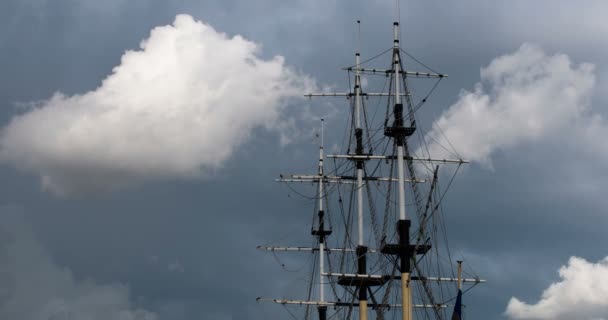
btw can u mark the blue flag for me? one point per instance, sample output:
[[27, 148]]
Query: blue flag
[[457, 315]]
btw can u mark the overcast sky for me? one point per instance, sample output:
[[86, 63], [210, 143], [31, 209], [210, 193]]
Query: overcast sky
[[141, 139]]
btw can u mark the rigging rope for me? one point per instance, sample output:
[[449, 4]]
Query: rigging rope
[[370, 59]]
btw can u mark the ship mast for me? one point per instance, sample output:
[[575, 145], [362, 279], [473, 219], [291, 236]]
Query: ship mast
[[321, 233], [403, 224], [361, 248], [405, 253]]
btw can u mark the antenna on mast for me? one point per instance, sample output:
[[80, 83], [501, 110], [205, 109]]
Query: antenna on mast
[[322, 127], [358, 35], [398, 11]]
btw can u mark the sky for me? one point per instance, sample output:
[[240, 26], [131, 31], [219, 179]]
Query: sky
[[140, 140]]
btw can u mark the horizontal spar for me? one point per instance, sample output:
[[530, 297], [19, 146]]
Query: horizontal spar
[[312, 180], [318, 177], [444, 279], [356, 275], [309, 249], [349, 94], [372, 157], [415, 278], [409, 73], [343, 304]]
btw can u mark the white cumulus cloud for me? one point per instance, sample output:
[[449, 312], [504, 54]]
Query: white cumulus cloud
[[582, 293], [34, 287], [177, 107], [522, 97]]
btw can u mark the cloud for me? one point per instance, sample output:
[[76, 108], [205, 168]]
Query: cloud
[[581, 294], [175, 266], [176, 108], [522, 97], [34, 287]]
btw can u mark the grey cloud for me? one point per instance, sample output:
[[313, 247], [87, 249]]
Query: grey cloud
[[524, 96], [35, 287]]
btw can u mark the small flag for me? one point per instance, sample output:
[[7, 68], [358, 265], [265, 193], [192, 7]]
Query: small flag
[[457, 315]]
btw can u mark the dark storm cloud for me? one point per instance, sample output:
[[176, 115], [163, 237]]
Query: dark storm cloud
[[516, 224], [34, 287]]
